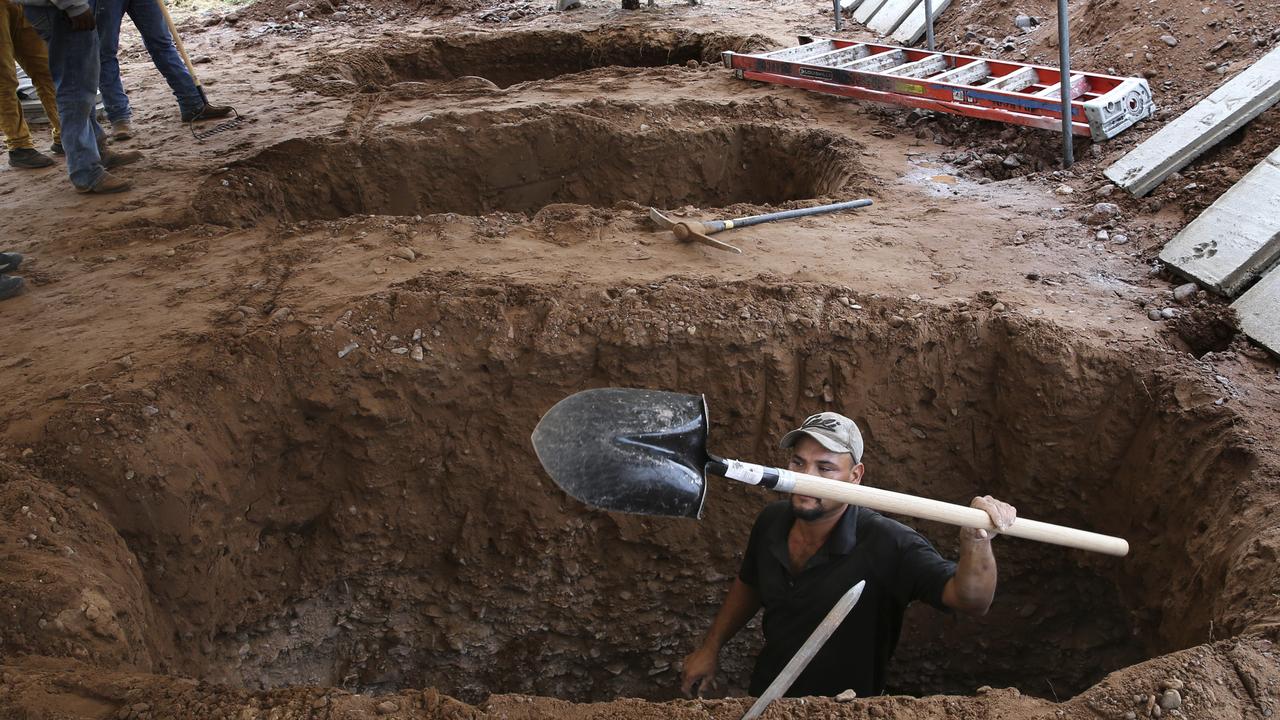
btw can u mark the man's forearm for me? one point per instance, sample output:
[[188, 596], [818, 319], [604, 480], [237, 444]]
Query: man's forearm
[[974, 584], [740, 605]]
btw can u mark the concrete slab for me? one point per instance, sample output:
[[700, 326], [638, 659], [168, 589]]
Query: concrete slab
[[1259, 311], [891, 15], [1237, 102], [868, 10], [912, 29], [1237, 237]]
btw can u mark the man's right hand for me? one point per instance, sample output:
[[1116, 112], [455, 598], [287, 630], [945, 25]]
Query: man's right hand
[[83, 21], [700, 670]]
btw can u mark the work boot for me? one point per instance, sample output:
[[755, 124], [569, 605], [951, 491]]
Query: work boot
[[29, 159], [56, 148], [9, 262], [120, 130], [208, 112], [113, 158], [106, 185], [9, 286]]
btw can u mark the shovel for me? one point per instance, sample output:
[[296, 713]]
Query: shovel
[[687, 230], [782, 683], [645, 451]]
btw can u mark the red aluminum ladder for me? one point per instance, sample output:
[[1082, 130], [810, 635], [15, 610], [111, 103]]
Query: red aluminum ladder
[[1103, 106]]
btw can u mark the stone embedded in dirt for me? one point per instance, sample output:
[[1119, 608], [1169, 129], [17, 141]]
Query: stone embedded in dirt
[[1185, 293], [847, 696], [404, 253], [1153, 314], [1170, 699], [386, 707], [1169, 313], [347, 350], [1100, 213], [1103, 236], [1064, 190], [897, 320], [1171, 684], [1120, 239], [1169, 40]]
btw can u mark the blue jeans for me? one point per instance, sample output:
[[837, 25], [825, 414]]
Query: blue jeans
[[148, 18], [73, 62]]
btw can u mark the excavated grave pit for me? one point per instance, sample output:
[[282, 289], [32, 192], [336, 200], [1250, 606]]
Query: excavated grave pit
[[510, 58], [520, 162], [274, 514]]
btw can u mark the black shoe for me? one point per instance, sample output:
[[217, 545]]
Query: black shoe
[[56, 148], [29, 159], [9, 262], [9, 286], [208, 112]]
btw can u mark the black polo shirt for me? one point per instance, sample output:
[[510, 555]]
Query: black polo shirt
[[899, 566]]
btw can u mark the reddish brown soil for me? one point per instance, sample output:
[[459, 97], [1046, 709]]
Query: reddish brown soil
[[264, 446]]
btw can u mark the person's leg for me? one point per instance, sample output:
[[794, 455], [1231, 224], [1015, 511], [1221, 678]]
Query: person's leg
[[33, 56], [149, 19], [73, 62], [17, 135], [108, 14]]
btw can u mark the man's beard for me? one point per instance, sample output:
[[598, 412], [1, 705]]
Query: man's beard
[[808, 514]]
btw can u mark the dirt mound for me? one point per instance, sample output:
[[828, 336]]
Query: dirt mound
[[522, 161], [358, 12], [508, 58]]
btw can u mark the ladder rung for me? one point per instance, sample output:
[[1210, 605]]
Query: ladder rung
[[965, 74], [833, 59], [1078, 87], [1023, 77], [877, 62], [798, 54], [920, 68]]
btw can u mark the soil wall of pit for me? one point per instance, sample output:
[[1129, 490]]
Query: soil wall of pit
[[271, 513], [509, 58], [597, 154]]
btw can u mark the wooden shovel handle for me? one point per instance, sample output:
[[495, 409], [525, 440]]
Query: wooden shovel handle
[[918, 507]]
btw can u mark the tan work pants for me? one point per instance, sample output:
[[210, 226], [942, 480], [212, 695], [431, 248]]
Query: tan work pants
[[19, 42]]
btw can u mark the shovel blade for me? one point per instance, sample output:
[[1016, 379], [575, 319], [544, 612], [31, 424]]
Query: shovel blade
[[628, 450]]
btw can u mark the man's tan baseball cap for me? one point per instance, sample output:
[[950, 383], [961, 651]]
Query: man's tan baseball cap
[[833, 431]]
